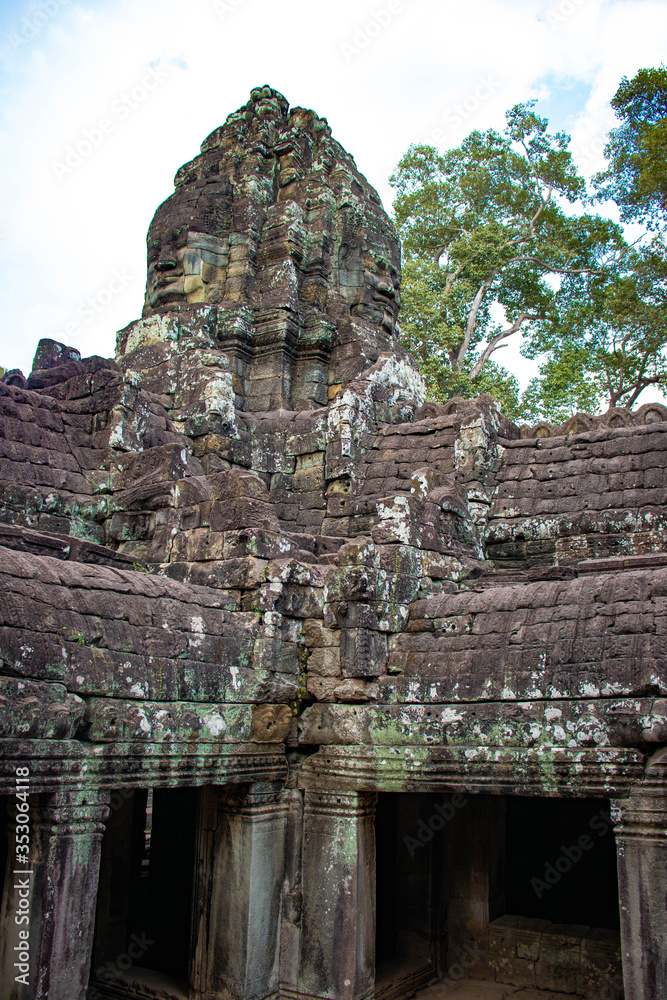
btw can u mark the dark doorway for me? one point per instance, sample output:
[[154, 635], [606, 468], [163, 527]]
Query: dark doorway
[[144, 901], [161, 878], [385, 858], [407, 919], [560, 861]]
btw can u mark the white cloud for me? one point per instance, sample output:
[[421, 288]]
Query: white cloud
[[61, 240]]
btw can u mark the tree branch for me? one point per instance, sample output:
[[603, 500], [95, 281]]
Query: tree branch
[[494, 343], [639, 388], [472, 318], [530, 259], [451, 278], [544, 203]]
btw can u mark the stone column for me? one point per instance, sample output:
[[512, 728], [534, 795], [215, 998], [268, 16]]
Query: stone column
[[641, 841], [337, 953], [113, 890], [237, 907], [474, 854], [65, 839]]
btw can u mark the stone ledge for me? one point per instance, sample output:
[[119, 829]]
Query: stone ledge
[[581, 960], [615, 563], [556, 771], [63, 765]]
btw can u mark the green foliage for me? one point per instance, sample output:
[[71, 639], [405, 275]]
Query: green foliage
[[611, 340], [140, 567], [302, 690], [561, 389], [485, 234], [636, 177], [488, 233], [429, 339], [74, 636]]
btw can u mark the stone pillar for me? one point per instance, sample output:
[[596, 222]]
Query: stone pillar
[[237, 906], [641, 841], [65, 839], [337, 953], [9, 931], [292, 897], [474, 849], [111, 930]]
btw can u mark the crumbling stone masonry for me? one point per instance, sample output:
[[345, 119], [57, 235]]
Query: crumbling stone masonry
[[323, 691]]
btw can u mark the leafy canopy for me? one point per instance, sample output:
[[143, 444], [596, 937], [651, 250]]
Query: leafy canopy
[[611, 340], [486, 237], [636, 176]]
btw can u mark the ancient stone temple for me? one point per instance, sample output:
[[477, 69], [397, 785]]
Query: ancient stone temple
[[309, 688]]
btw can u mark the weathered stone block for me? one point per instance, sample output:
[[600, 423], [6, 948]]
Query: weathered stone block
[[559, 964], [363, 653], [325, 662]]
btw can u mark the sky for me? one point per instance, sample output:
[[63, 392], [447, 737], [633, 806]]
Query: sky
[[103, 100]]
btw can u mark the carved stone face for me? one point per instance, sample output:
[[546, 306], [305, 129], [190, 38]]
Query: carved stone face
[[272, 225], [186, 267], [187, 264], [379, 298], [188, 252]]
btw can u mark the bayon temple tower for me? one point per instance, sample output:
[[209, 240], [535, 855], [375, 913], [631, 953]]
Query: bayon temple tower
[[310, 688]]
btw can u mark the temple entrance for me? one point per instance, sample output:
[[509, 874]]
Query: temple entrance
[[144, 915], [407, 886], [516, 891], [567, 874]]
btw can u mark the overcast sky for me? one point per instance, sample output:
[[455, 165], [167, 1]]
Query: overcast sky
[[162, 74]]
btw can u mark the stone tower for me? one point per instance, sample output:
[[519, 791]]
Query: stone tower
[[276, 251]]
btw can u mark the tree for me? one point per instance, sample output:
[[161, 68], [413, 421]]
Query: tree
[[611, 339], [486, 238], [636, 176], [425, 333]]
